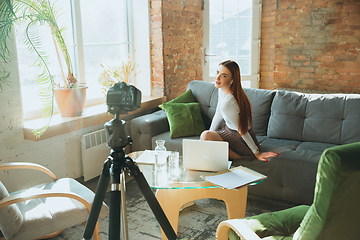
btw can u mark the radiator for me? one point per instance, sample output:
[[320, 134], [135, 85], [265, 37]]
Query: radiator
[[94, 152]]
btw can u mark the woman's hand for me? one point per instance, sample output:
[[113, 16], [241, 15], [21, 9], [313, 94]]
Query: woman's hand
[[264, 156]]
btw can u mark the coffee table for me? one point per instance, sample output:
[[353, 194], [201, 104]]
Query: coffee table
[[176, 186]]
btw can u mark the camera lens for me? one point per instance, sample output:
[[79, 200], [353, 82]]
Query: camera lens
[[127, 99]]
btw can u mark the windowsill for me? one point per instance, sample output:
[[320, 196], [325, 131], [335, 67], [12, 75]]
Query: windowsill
[[92, 115]]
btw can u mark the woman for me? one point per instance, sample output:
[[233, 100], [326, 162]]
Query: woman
[[235, 108]]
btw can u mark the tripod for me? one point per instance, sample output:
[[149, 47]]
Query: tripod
[[113, 168]]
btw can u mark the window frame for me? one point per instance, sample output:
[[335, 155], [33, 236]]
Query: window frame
[[254, 76]]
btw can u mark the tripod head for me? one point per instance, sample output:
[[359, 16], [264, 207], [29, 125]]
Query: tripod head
[[120, 99]]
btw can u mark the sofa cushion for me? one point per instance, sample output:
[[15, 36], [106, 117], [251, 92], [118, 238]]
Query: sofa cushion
[[291, 175], [260, 138], [324, 118], [350, 126], [261, 101], [206, 94], [299, 175], [184, 119], [287, 116], [273, 169], [281, 144], [314, 146], [329, 118]]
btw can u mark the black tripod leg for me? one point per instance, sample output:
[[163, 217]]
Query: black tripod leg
[[98, 200], [115, 200], [151, 199], [124, 226]]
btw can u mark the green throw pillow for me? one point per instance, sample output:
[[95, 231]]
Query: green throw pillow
[[184, 119], [186, 97]]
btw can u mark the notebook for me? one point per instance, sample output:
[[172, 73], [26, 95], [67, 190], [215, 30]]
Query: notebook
[[205, 155]]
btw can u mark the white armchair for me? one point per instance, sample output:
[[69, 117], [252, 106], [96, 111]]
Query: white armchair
[[44, 210]]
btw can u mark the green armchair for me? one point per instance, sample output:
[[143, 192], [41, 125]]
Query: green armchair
[[334, 214]]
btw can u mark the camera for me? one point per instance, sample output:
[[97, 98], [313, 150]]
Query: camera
[[120, 99], [123, 98]]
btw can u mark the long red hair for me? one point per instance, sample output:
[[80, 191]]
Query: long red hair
[[245, 114]]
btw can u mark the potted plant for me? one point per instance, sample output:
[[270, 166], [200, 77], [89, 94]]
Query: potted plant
[[34, 13]]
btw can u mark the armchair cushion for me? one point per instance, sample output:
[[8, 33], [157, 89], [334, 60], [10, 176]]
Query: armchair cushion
[[58, 212], [184, 119], [282, 223], [11, 218], [337, 197]]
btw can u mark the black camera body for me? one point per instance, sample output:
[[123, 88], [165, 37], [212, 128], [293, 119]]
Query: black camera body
[[120, 99], [123, 98]]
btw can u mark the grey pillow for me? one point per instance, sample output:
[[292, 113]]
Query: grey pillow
[[287, 116], [11, 218], [261, 101]]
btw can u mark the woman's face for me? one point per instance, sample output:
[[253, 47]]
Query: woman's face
[[223, 78]]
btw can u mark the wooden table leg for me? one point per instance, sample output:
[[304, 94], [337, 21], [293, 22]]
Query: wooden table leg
[[171, 200]]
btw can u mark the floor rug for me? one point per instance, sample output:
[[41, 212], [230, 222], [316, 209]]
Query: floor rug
[[195, 222]]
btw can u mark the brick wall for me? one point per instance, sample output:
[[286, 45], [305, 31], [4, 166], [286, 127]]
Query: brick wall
[[156, 46], [311, 45], [306, 44], [267, 51], [176, 45]]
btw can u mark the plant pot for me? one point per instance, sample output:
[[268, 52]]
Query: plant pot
[[70, 101]]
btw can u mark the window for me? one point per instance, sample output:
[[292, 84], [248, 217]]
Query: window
[[105, 39], [96, 34], [233, 33]]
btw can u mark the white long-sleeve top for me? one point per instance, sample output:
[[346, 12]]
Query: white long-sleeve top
[[228, 109]]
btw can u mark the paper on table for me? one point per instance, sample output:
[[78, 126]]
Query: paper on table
[[235, 177], [148, 157]]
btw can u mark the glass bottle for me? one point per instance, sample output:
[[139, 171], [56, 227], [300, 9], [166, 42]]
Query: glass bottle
[[160, 153]]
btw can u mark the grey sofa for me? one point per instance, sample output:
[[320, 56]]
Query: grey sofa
[[298, 126]]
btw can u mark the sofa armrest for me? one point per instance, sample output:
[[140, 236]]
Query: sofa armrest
[[143, 128]]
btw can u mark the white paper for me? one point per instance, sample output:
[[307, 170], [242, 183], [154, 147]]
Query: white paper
[[148, 157], [234, 179]]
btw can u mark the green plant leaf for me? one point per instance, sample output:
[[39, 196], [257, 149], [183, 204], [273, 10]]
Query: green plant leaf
[[45, 80]]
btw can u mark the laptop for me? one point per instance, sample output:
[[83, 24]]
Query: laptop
[[205, 155]]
